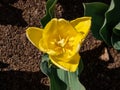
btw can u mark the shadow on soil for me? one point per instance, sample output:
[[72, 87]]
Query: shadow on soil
[[3, 65], [20, 80], [11, 15], [96, 75]]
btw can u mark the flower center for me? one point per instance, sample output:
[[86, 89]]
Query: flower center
[[61, 43]]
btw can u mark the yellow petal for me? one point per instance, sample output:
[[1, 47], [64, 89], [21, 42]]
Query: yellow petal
[[34, 35], [58, 27], [47, 44], [70, 66], [73, 45], [55, 32], [82, 25], [65, 28], [67, 31]]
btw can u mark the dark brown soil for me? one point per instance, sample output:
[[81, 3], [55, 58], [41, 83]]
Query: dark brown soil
[[19, 59]]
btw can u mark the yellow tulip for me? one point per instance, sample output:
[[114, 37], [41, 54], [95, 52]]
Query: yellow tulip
[[61, 40]]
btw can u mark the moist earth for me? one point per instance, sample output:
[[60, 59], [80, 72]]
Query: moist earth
[[19, 59]]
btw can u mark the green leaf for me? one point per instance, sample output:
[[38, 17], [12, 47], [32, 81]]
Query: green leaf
[[112, 18], [115, 39], [96, 10], [51, 72], [60, 79], [116, 29], [49, 12], [70, 79]]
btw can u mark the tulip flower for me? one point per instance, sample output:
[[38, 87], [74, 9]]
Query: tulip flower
[[61, 40]]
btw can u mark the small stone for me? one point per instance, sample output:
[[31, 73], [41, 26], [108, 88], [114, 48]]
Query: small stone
[[105, 55]]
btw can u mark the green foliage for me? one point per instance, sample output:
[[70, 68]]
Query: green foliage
[[51, 72], [115, 41], [96, 10], [116, 29], [49, 12], [106, 21], [60, 79]]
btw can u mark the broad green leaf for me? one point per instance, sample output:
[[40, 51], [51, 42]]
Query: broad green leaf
[[96, 10], [60, 79], [115, 39], [50, 5], [116, 29], [51, 72], [70, 79], [112, 18]]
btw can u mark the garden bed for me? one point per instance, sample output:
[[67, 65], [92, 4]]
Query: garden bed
[[19, 59]]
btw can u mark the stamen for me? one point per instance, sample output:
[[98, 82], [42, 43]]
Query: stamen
[[61, 42]]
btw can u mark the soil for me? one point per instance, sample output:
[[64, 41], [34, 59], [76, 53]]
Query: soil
[[19, 59]]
